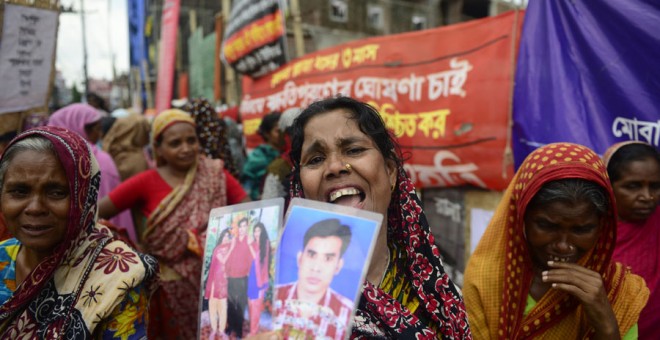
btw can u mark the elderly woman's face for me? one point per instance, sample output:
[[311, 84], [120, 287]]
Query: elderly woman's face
[[35, 200], [561, 232], [331, 141], [637, 191]]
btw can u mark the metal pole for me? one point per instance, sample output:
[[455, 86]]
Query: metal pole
[[232, 95], [112, 50], [297, 29], [84, 37]]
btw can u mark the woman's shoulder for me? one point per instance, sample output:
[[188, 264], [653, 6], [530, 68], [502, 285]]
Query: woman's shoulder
[[10, 242], [631, 283], [629, 296], [9, 250], [118, 259], [260, 153], [149, 175]]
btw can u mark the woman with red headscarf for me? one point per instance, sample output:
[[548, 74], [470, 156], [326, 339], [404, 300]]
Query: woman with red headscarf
[[64, 275], [544, 268], [343, 153]]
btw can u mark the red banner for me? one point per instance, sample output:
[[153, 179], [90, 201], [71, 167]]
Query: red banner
[[167, 55], [444, 92]]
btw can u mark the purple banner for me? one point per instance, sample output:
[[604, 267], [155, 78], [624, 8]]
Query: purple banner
[[587, 73]]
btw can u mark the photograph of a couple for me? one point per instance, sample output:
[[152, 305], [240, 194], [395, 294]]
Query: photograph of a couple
[[238, 270]]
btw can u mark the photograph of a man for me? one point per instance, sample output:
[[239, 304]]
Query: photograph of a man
[[237, 269], [309, 301]]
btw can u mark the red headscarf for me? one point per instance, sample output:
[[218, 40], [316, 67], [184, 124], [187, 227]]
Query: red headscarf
[[441, 312], [83, 175], [500, 272]]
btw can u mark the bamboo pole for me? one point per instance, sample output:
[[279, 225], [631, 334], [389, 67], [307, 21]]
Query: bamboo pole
[[230, 76], [217, 74], [147, 84], [297, 29]]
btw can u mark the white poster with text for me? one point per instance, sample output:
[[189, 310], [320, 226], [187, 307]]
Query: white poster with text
[[27, 50]]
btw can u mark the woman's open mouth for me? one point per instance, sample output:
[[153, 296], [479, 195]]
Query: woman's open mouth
[[349, 197], [565, 259]]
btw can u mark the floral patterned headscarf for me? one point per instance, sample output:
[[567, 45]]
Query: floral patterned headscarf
[[83, 175], [52, 301]]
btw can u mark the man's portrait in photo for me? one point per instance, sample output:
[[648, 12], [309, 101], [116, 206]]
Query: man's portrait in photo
[[319, 274]]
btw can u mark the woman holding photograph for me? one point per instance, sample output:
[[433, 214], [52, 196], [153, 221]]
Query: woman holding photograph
[[176, 198], [216, 285], [343, 154], [259, 275]]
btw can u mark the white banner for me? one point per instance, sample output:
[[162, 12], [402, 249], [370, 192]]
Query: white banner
[[27, 49]]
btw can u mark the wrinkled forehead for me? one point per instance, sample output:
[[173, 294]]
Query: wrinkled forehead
[[71, 150], [333, 128]]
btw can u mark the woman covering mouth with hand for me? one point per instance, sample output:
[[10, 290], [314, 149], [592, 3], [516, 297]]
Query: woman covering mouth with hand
[[343, 153], [544, 268]]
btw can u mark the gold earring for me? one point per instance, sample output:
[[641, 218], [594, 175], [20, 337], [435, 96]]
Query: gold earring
[[393, 187], [348, 167]]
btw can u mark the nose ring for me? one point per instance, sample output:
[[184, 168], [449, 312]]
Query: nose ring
[[348, 167], [571, 248]]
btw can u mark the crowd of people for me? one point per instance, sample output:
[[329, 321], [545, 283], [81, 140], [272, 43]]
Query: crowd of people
[[104, 219]]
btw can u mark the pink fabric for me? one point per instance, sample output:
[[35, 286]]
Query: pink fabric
[[638, 246], [110, 179], [217, 276], [74, 117], [240, 259]]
